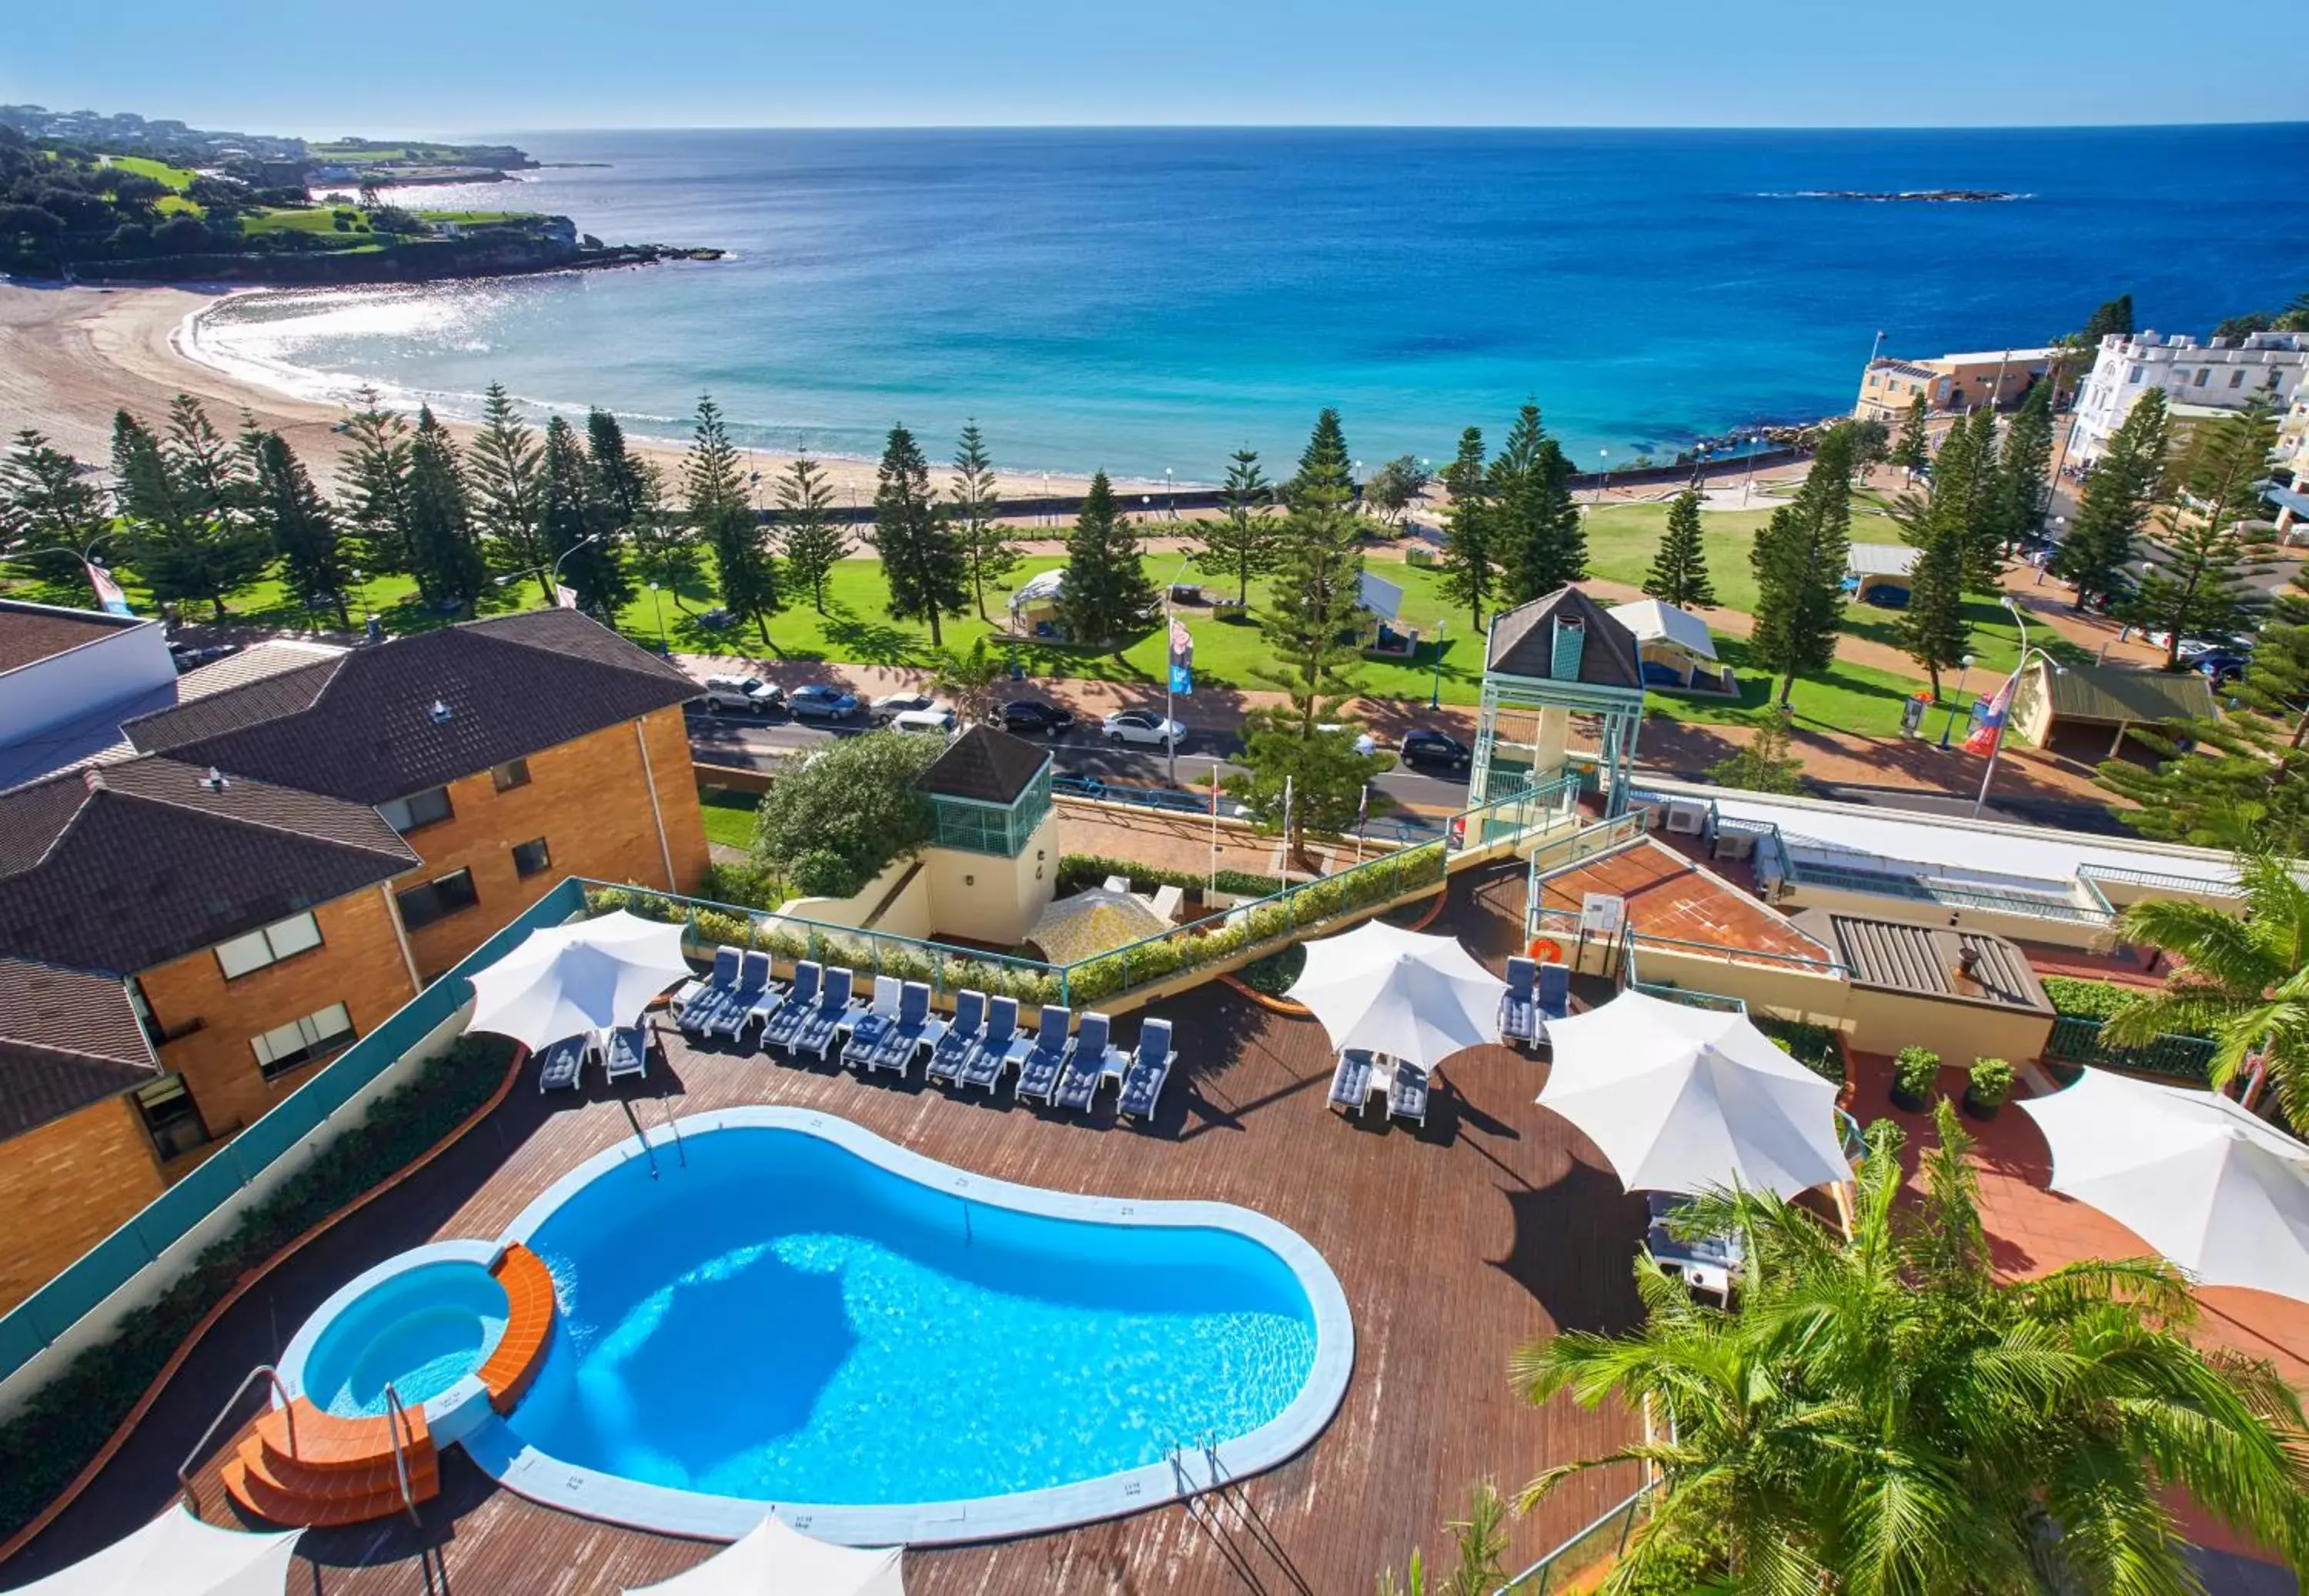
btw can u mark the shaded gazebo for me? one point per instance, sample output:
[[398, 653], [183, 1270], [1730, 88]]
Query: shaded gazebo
[[1546, 661]]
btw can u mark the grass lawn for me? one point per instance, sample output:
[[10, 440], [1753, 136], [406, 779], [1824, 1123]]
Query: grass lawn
[[177, 177], [466, 218], [729, 817]]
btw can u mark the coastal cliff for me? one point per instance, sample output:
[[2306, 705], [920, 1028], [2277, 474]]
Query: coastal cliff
[[427, 260]]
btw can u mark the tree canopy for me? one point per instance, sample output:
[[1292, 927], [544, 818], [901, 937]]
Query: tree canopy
[[1799, 560], [1679, 570], [1106, 599], [832, 824]]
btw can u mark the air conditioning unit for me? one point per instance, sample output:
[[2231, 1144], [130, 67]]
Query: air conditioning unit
[[1652, 814], [1686, 817], [1735, 845]]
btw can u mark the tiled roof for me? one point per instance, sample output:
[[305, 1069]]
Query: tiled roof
[[990, 766], [1920, 959], [67, 1039], [1522, 642], [31, 633], [118, 867], [362, 726]]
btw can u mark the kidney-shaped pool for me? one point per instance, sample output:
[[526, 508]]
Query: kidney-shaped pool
[[794, 1311]]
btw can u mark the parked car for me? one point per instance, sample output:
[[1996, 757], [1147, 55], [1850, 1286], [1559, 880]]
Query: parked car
[[1028, 715], [1144, 726], [818, 702], [1427, 750], [190, 658], [937, 719], [2220, 666], [747, 695], [891, 705]]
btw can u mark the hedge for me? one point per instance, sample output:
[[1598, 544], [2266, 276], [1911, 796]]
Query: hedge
[[1080, 870], [1818, 1048], [1276, 973], [67, 1421], [2091, 1000]]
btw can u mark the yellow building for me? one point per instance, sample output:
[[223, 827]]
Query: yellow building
[[1951, 384]]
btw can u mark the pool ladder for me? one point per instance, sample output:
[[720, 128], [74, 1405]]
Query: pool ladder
[[200, 1447]]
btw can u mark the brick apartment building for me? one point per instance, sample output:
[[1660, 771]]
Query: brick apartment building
[[268, 856]]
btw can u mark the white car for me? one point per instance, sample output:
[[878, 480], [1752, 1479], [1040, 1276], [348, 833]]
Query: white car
[[937, 719], [1144, 726], [887, 708], [745, 694]]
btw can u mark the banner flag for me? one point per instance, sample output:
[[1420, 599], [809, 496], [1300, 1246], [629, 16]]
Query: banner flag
[[109, 596], [566, 597], [1182, 659], [1988, 722]]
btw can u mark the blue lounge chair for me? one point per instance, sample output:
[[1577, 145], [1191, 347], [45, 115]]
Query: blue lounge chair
[[987, 1062], [628, 1053], [866, 1026], [1089, 1058], [696, 1002], [913, 1031], [1406, 1098], [1149, 1068], [1519, 1006], [818, 1029], [1554, 994], [960, 1037], [564, 1063], [736, 1011], [1350, 1082], [1039, 1059], [801, 1000]]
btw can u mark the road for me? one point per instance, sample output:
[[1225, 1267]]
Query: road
[[753, 742], [1421, 800]]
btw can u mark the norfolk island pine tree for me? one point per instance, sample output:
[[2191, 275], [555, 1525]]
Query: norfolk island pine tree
[[1799, 560], [1679, 570], [923, 560]]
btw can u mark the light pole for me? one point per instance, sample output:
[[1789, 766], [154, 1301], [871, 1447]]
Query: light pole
[[1170, 680], [1961, 679], [658, 604], [553, 571], [1603, 473], [1169, 495], [1751, 476], [1215, 763], [2012, 690], [1046, 498], [1435, 691]]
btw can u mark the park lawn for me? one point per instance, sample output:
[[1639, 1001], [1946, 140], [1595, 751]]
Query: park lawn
[[177, 177], [730, 816], [319, 219], [466, 218]]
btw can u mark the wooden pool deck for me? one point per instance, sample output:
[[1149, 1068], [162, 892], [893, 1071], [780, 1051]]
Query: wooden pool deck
[[1496, 1223]]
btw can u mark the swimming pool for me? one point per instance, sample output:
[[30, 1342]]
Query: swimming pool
[[794, 1311]]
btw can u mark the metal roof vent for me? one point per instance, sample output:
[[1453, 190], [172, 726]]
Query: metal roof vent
[[441, 712], [215, 780]]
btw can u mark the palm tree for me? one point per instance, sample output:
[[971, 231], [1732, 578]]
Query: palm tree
[[968, 676], [1480, 1538], [2243, 981], [1884, 1415]]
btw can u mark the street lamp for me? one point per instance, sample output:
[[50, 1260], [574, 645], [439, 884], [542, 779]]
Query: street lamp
[[1603, 473], [2012, 691], [1951, 727], [658, 604], [553, 571], [1169, 495], [1435, 691]]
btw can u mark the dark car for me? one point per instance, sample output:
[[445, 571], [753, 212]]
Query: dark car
[[1032, 715], [1435, 751], [2220, 666]]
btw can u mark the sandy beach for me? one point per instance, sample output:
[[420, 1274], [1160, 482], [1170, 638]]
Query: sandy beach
[[69, 358]]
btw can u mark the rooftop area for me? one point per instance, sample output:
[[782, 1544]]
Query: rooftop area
[[1676, 899], [1903, 956]]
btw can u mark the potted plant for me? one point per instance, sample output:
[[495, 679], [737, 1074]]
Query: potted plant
[[1990, 1085], [1912, 1072]]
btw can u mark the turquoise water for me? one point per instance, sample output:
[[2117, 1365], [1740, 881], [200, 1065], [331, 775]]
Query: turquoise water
[[1145, 299], [782, 1320], [423, 1331]]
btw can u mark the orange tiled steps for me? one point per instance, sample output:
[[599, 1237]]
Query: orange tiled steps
[[529, 1326], [339, 1471]]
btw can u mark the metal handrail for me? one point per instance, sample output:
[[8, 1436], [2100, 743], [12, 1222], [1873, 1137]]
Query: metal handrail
[[395, 1418], [200, 1448], [1628, 1505]]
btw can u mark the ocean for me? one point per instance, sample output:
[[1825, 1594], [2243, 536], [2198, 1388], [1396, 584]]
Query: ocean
[[1148, 300]]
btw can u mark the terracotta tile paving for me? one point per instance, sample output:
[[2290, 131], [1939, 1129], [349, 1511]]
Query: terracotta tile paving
[[1674, 897]]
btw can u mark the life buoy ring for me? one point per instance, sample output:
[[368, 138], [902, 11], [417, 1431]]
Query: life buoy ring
[[1546, 950]]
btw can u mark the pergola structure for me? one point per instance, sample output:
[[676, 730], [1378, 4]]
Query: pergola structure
[[1548, 660]]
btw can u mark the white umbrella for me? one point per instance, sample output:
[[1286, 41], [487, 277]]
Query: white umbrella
[[177, 1554], [774, 1560], [589, 975], [1414, 997], [1683, 1100], [2208, 1184]]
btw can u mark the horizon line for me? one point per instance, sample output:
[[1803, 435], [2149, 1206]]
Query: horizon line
[[1742, 127]]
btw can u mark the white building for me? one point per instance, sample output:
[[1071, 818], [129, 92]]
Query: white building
[[2221, 375]]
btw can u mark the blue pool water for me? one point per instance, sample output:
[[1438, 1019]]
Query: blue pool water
[[783, 1320], [423, 1331]]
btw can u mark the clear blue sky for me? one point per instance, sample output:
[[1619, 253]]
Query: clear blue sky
[[432, 66]]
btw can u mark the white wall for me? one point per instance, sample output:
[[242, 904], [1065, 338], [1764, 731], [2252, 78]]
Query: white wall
[[2124, 368], [105, 671]]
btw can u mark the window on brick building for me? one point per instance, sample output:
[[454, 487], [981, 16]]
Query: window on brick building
[[171, 1118], [512, 774], [268, 946], [531, 856], [300, 1041], [430, 901], [418, 810]]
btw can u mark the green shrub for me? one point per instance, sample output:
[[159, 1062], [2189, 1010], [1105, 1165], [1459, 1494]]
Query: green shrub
[[1914, 1070], [832, 824], [748, 885], [1818, 1048], [1274, 974], [1077, 871], [2092, 1000], [1242, 884], [62, 1424], [1991, 1083]]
